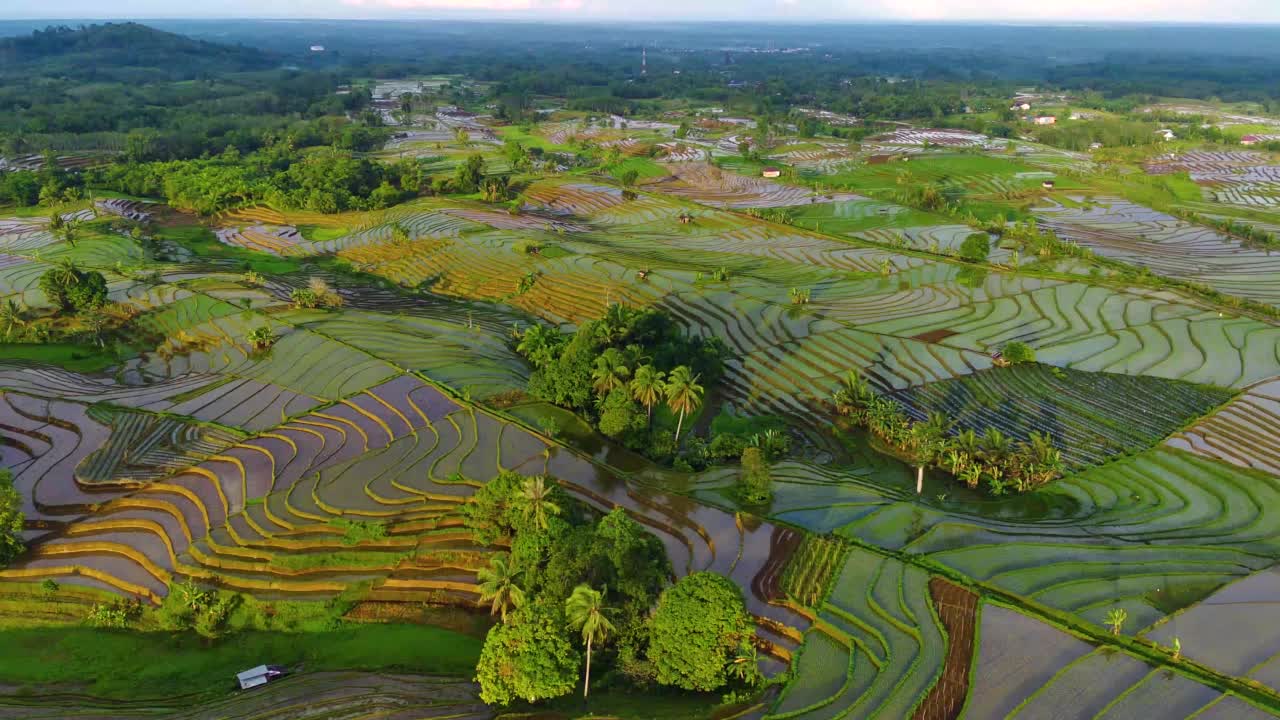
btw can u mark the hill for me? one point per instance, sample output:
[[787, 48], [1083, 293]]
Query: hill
[[123, 51]]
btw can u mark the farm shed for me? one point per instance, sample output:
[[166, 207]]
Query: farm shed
[[258, 676], [771, 172], [1046, 120]]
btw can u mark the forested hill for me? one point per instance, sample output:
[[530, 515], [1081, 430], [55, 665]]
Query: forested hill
[[114, 49]]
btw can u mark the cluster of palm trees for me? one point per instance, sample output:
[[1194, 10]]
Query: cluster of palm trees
[[649, 386], [500, 587], [991, 460]]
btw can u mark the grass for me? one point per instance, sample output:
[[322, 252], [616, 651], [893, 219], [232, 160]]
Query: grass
[[314, 561], [322, 233], [644, 167], [200, 240], [77, 358], [652, 705], [136, 665]]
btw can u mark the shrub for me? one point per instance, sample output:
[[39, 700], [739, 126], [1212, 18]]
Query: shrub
[[12, 520], [755, 484], [1016, 352], [976, 247], [357, 531]]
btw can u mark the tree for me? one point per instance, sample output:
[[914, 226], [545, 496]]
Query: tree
[[528, 658], [647, 387], [495, 510], [976, 247], [89, 292], [629, 177], [609, 373], [683, 392], [698, 627], [620, 417], [498, 586], [69, 288], [755, 483], [469, 174], [585, 611], [11, 317], [12, 521], [536, 501]]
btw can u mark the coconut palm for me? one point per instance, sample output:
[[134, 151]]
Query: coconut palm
[[68, 272], [683, 393], [585, 610], [610, 373], [535, 496], [11, 317], [498, 586], [535, 341], [647, 387]]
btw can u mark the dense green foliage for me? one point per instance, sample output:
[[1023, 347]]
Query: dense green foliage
[[698, 628], [73, 289], [11, 519], [529, 657], [991, 460], [326, 180], [557, 546], [616, 370]]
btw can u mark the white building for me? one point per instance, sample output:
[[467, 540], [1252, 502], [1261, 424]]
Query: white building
[[1046, 120]]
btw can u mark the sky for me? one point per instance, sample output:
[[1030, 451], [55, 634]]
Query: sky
[[1214, 11]]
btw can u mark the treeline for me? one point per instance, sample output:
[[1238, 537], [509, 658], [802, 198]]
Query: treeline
[[171, 121], [187, 97], [991, 461], [326, 180]]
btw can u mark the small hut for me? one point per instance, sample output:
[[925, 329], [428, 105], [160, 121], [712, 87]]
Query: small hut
[[259, 676]]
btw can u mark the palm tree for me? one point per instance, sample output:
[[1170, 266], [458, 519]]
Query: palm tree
[[535, 341], [498, 586], [585, 611], [536, 498], [683, 393], [610, 373], [68, 273], [11, 317], [647, 387]]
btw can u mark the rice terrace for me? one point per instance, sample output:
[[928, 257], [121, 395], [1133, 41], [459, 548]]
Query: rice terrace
[[475, 370]]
